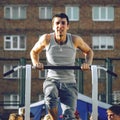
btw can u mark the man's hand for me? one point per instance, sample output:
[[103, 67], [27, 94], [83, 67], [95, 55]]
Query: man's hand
[[85, 66], [39, 66]]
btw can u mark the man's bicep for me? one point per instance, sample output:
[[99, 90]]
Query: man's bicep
[[41, 43], [83, 46]]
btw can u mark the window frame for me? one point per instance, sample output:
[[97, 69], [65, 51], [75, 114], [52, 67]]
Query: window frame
[[11, 42], [104, 42], [46, 12], [71, 16], [116, 96], [10, 103], [102, 75], [11, 66], [42, 74], [99, 12], [19, 12], [40, 97]]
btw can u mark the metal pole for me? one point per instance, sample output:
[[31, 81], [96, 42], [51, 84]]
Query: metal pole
[[80, 81], [22, 83], [94, 92], [27, 92], [109, 83]]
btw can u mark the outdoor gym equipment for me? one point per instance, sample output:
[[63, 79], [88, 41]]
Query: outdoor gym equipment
[[93, 68]]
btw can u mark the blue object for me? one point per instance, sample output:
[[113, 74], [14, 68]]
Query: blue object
[[84, 107]]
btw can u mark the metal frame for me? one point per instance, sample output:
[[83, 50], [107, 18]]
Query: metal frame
[[94, 69]]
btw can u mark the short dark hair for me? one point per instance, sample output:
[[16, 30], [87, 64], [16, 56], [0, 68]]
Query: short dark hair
[[115, 109], [61, 15]]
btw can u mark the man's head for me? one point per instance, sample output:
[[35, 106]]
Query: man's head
[[61, 15], [113, 112], [60, 25], [15, 116]]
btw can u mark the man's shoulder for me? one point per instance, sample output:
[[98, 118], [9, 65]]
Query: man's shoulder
[[45, 36], [76, 37], [44, 39], [48, 35]]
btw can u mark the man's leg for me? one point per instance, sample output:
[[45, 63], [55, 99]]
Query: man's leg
[[68, 98], [51, 98], [54, 113]]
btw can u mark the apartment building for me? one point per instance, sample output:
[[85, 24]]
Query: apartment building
[[23, 21]]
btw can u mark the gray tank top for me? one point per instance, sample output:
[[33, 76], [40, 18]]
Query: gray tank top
[[58, 55]]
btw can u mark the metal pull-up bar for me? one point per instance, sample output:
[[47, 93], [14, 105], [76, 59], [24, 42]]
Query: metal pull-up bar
[[93, 68], [59, 68]]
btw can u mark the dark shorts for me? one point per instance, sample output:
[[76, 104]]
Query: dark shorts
[[66, 93]]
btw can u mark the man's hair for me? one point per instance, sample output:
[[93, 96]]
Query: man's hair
[[115, 109], [61, 15]]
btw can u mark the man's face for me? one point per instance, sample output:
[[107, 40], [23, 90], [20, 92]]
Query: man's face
[[12, 118], [60, 26], [112, 116]]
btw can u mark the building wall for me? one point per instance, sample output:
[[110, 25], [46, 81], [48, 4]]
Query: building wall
[[33, 27]]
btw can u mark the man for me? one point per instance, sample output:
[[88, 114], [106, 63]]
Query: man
[[60, 50], [15, 116], [113, 113], [22, 113]]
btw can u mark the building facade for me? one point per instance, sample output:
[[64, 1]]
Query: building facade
[[23, 21]]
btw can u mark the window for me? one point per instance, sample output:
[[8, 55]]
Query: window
[[45, 12], [42, 74], [40, 97], [101, 74], [11, 101], [116, 97], [15, 12], [103, 13], [103, 42], [102, 97], [9, 67], [73, 13], [14, 42]]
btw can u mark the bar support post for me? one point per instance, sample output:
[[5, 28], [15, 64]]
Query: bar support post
[[94, 92]]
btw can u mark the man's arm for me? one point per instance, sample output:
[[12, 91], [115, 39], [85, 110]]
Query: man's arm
[[87, 51], [37, 49], [89, 56]]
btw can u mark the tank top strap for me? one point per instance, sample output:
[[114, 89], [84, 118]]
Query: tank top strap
[[51, 41], [69, 37]]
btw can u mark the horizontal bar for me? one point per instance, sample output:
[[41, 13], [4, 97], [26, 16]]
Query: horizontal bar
[[8, 73], [63, 67], [112, 73], [60, 68], [12, 70], [108, 71], [77, 68]]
